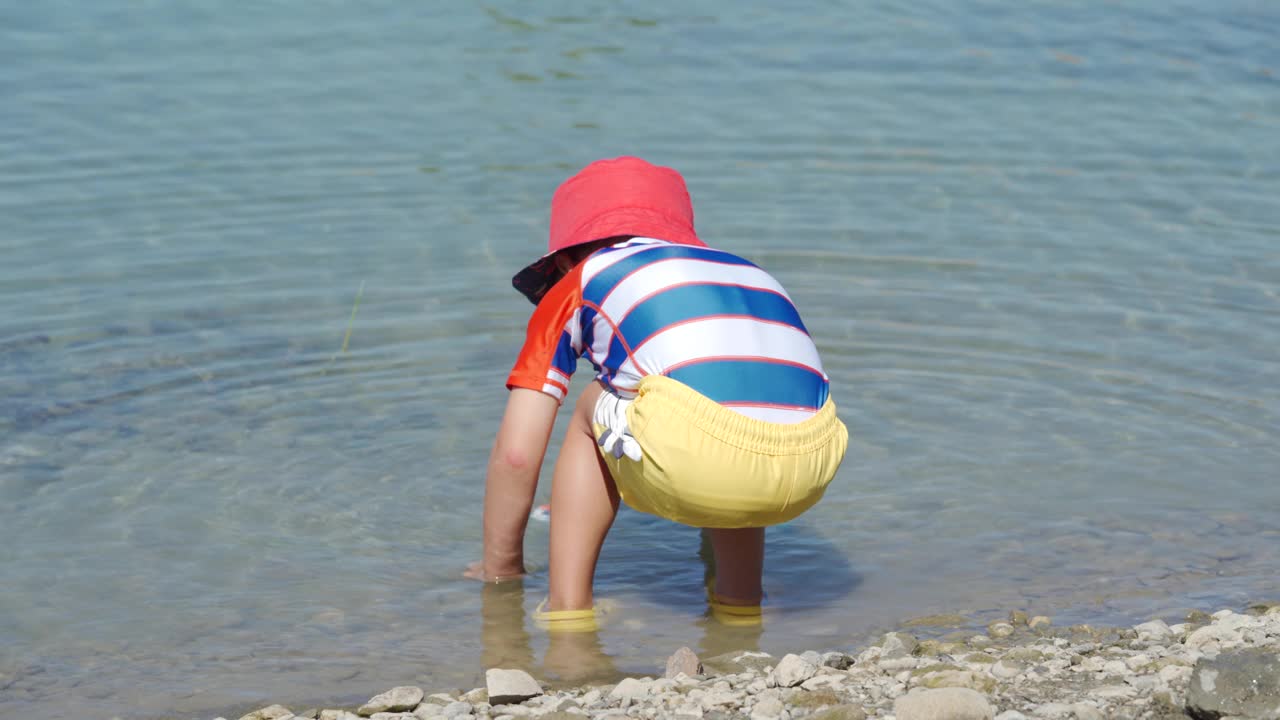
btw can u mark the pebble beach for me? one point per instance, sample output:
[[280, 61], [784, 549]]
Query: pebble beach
[[1220, 665]]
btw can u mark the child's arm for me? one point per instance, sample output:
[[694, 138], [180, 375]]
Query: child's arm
[[513, 478]]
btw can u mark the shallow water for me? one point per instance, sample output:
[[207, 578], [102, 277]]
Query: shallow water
[[1038, 245]]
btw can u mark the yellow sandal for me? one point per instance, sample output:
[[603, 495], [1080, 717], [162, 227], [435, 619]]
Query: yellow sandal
[[565, 620]]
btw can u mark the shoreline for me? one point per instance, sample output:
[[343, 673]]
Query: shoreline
[[1222, 665]]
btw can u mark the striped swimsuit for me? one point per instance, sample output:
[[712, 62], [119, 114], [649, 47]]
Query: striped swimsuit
[[704, 317]]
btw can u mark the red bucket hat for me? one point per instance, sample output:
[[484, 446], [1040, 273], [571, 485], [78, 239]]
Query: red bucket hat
[[608, 198]]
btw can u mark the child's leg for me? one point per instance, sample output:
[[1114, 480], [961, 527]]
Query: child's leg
[[584, 501], [739, 563]]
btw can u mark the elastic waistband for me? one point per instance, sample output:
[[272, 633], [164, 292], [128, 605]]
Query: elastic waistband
[[735, 428]]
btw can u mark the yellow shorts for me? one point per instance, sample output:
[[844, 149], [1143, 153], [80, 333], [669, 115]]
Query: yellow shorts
[[707, 466]]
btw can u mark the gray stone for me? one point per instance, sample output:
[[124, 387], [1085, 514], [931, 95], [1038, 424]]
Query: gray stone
[[1085, 711], [629, 690], [684, 661], [737, 661], [270, 712], [837, 660], [392, 716], [510, 686], [1005, 669], [1154, 630], [943, 704], [768, 708], [1242, 682], [398, 699], [1040, 622], [338, 715], [1011, 715], [840, 712], [897, 645], [793, 670], [999, 629], [428, 710], [457, 709], [1053, 710]]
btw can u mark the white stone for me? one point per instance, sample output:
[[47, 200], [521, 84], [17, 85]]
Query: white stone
[[1011, 715], [457, 709], [689, 711], [768, 708], [1039, 621], [338, 715], [943, 704], [393, 716], [1154, 630], [1133, 662], [629, 690], [591, 697], [793, 670], [425, 711], [713, 700], [270, 712], [1112, 691], [1000, 630], [757, 686], [1005, 669], [1085, 711], [1115, 667], [1052, 710], [1172, 674], [396, 700]]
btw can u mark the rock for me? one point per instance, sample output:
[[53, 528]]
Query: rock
[[684, 661], [270, 712], [840, 712], [737, 661], [1242, 682], [392, 716], [943, 704], [1053, 710], [898, 645], [1040, 622], [1011, 715], [938, 621], [628, 691], [457, 709], [506, 687], [957, 679], [768, 708], [999, 629], [793, 670], [1017, 617], [338, 715], [1085, 711], [397, 699], [1154, 630], [426, 711], [1005, 669], [837, 660]]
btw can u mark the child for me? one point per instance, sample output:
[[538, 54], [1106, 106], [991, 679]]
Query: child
[[709, 405]]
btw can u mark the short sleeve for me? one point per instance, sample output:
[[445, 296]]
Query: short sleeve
[[553, 341]]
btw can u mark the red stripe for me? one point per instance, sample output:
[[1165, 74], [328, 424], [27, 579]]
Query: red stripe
[[558, 385], [771, 406]]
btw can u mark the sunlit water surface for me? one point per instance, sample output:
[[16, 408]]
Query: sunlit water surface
[[1038, 244]]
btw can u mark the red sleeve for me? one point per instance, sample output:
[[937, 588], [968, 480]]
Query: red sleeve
[[552, 343]]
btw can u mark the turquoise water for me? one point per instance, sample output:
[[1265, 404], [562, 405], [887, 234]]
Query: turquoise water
[[1038, 244]]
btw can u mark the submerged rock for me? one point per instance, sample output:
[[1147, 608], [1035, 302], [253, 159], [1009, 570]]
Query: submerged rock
[[1243, 683]]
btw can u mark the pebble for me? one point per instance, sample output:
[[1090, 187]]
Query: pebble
[[1212, 666], [395, 700]]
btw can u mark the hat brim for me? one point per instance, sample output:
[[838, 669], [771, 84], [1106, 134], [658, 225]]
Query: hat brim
[[536, 278]]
